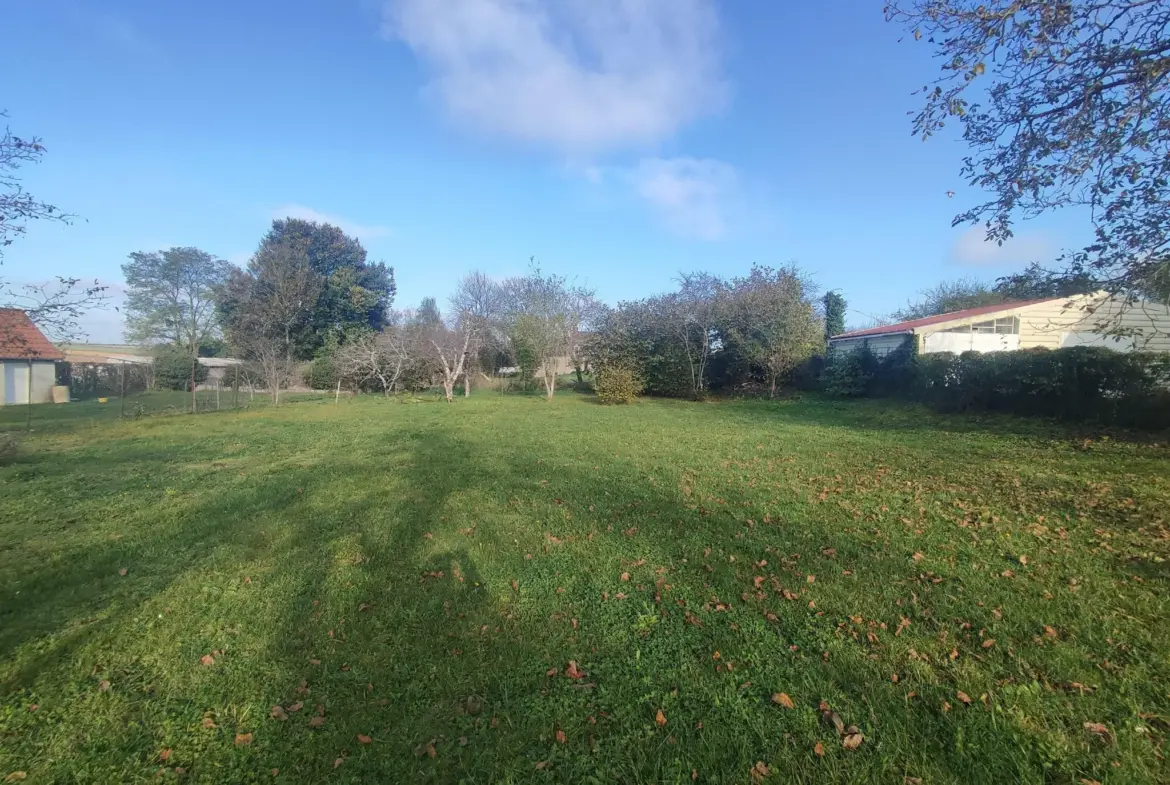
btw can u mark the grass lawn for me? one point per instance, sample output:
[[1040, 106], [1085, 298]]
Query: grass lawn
[[513, 590]]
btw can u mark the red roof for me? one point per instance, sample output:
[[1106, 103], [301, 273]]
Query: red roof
[[914, 324], [21, 340]]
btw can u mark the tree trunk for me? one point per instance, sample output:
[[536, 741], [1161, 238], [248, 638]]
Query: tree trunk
[[580, 377], [449, 388], [467, 382]]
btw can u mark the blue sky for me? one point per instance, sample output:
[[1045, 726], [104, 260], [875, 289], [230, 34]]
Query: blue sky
[[618, 141]]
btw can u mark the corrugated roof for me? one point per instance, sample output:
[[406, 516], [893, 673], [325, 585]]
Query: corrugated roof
[[21, 340], [914, 324]]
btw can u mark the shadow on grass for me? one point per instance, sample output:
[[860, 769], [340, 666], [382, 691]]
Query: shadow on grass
[[390, 604]]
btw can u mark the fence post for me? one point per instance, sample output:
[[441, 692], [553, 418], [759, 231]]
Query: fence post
[[122, 397]]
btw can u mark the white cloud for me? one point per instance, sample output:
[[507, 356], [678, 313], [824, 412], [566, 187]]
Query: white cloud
[[352, 228], [579, 75], [691, 195], [972, 248]]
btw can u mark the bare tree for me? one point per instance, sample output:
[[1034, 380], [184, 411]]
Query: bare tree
[[380, 356], [479, 303], [696, 309], [56, 307], [450, 345]]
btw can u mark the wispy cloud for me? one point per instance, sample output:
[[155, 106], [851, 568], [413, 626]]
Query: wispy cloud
[[352, 228], [582, 76], [692, 196], [973, 249]]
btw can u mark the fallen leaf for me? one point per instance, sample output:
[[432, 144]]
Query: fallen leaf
[[1100, 730], [550, 672], [819, 749], [625, 576], [964, 697], [917, 557], [296, 706], [515, 585], [243, 739], [314, 662], [165, 755], [573, 672], [987, 644], [104, 685], [123, 572], [561, 737], [364, 607], [463, 742], [838, 723], [431, 751], [907, 780], [1049, 632], [660, 719], [207, 659], [277, 713], [903, 623], [760, 770], [337, 762], [16, 776], [208, 723], [852, 741], [782, 699], [364, 739], [316, 722]]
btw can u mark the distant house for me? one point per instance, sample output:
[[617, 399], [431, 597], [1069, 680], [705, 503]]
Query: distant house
[[27, 360], [1053, 322]]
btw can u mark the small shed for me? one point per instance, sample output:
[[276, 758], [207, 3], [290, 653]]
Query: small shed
[[1052, 322], [27, 360]]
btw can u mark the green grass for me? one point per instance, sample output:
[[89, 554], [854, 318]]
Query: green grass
[[418, 571]]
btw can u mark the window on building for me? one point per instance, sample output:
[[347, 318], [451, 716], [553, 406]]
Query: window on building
[[1007, 325]]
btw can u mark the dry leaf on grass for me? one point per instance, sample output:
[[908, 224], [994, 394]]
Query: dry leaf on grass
[[625, 576], [964, 697], [104, 685], [337, 762], [364, 739], [1100, 730], [660, 719], [296, 706], [209, 723], [987, 644], [852, 740], [573, 672], [782, 699], [760, 771], [918, 557], [207, 659], [278, 713], [243, 739], [515, 585], [16, 776], [316, 722], [561, 737], [165, 755], [819, 749], [1049, 632]]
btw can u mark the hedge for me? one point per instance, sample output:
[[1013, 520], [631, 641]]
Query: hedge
[[1080, 383]]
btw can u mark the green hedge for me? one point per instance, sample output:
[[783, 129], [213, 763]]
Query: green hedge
[[173, 370], [1082, 383]]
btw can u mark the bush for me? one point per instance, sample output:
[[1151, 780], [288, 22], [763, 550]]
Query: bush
[[618, 384], [322, 373], [1080, 383], [172, 370]]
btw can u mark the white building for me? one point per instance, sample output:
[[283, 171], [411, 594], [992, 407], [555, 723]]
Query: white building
[[1054, 322]]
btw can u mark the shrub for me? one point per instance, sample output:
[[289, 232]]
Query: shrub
[[618, 384], [849, 374], [172, 370], [1082, 383], [322, 373]]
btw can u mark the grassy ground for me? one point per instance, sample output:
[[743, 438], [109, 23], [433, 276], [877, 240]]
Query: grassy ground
[[416, 587]]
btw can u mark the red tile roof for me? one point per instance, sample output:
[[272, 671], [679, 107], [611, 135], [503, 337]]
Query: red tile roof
[[21, 340], [914, 324]]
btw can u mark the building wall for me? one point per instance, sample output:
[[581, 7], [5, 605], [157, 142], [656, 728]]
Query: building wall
[[1062, 322], [14, 381], [880, 345]]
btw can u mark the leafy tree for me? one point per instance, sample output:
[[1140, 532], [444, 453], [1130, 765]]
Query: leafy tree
[[950, 296], [171, 297], [55, 307], [835, 307], [540, 318], [1062, 104], [352, 292], [1036, 283], [263, 307], [771, 322], [175, 368], [428, 313], [694, 313]]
